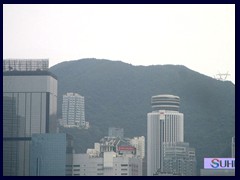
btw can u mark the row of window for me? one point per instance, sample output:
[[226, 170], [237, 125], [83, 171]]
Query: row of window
[[72, 165], [124, 169], [99, 174], [79, 169]]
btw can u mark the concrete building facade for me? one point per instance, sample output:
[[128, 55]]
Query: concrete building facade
[[139, 144], [179, 159], [110, 164], [217, 172]]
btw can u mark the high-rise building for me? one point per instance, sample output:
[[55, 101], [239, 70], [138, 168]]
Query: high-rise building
[[164, 126], [73, 110], [48, 154], [179, 159], [116, 132], [139, 144], [29, 106]]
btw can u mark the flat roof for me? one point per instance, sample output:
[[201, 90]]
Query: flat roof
[[29, 73]]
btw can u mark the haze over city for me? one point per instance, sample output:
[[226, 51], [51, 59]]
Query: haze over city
[[119, 90], [201, 37]]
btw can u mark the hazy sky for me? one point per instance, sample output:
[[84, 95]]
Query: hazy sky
[[201, 37]]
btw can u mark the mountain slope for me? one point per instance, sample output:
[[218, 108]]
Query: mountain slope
[[119, 94]]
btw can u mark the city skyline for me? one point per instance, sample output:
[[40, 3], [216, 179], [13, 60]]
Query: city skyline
[[201, 37], [27, 82]]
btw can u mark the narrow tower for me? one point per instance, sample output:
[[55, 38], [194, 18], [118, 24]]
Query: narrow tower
[[164, 125]]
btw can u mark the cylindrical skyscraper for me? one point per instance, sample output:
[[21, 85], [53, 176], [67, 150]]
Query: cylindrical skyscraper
[[164, 125]]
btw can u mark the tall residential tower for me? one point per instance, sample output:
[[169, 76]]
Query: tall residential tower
[[73, 110]]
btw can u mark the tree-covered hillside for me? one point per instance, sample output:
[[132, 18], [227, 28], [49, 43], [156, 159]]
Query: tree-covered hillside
[[119, 94]]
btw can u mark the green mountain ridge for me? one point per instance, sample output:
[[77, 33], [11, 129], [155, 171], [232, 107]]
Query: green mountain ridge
[[119, 95]]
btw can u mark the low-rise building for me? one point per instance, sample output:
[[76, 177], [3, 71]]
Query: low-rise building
[[111, 164]]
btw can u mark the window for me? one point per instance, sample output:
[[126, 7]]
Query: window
[[124, 164], [76, 165]]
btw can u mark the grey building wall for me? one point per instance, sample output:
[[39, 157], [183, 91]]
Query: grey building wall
[[48, 154], [29, 106], [179, 159]]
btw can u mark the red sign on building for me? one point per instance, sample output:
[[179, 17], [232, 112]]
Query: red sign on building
[[126, 148]]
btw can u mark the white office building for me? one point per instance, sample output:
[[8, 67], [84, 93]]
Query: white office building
[[73, 110], [168, 154], [164, 125]]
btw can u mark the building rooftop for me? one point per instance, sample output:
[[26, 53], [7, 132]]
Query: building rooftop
[[25, 65], [165, 102]]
